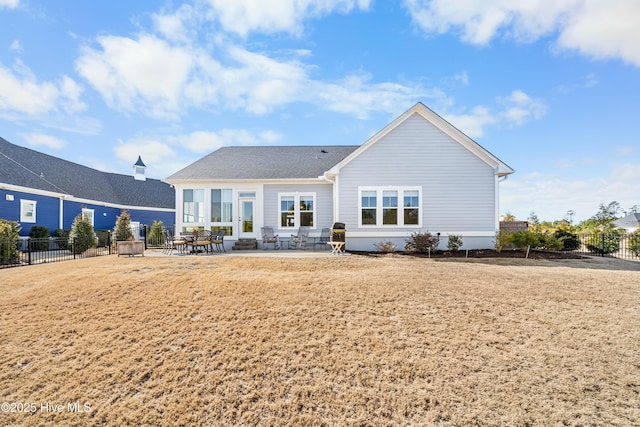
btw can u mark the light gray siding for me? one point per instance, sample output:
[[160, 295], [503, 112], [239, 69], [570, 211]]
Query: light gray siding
[[458, 188], [323, 204]]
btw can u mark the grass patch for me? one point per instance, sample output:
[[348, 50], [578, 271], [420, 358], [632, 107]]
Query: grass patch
[[344, 340]]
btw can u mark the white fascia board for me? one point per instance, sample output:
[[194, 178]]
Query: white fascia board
[[116, 205], [10, 187], [244, 182]]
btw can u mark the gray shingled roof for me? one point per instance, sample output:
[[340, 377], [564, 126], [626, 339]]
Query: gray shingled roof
[[282, 162], [630, 221], [28, 168]]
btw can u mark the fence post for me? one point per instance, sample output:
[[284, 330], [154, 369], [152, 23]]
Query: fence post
[[602, 243], [145, 236], [74, 247], [29, 250]]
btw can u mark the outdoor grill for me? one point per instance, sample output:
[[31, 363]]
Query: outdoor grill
[[338, 232]]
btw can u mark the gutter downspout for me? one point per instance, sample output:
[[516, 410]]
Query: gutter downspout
[[334, 183]]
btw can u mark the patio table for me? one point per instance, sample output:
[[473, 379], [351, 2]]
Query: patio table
[[337, 248]]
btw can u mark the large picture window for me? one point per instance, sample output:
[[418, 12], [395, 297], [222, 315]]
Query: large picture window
[[193, 205], [390, 206], [297, 210], [221, 205]]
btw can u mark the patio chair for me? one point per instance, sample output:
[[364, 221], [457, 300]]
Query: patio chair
[[218, 240], [202, 240], [299, 241], [173, 243], [323, 240], [269, 237]]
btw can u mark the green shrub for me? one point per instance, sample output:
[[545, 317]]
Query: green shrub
[[9, 237], [61, 236], [82, 234], [523, 239], [123, 227], [634, 243], [156, 234], [603, 243], [103, 238], [549, 242], [422, 242], [454, 243], [569, 240], [40, 233], [502, 240]]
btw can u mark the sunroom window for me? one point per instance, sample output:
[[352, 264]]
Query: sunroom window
[[193, 205]]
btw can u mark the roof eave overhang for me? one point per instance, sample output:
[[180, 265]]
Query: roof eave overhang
[[243, 180]]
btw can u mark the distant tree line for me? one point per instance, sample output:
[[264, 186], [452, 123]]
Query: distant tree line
[[603, 236]]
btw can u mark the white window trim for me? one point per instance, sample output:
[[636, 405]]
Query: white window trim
[[209, 211], [379, 208], [23, 204], [93, 216], [204, 207], [296, 209]]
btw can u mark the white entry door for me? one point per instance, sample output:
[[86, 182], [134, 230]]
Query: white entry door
[[247, 214]]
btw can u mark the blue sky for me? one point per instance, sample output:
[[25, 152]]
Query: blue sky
[[551, 87]]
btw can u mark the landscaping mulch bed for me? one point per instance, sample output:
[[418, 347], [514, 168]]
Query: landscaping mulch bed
[[482, 253]]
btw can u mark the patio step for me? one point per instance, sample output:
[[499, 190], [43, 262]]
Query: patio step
[[245, 245]]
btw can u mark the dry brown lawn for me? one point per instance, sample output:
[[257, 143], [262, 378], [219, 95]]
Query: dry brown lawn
[[323, 341]]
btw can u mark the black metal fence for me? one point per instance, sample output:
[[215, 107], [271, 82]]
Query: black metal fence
[[30, 251], [614, 245]]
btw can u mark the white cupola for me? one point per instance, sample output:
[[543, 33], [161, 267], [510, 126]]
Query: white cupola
[[139, 169]]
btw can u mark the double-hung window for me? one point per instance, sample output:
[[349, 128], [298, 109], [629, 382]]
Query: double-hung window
[[193, 206], [28, 211], [89, 215], [411, 207], [297, 210], [390, 206]]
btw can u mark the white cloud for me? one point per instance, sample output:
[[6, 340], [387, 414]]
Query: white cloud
[[158, 156], [166, 155], [356, 95], [520, 107], [42, 140], [22, 93], [163, 79], [514, 109], [244, 16], [474, 122], [16, 46], [551, 196], [595, 28], [177, 26], [9, 4], [130, 74]]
